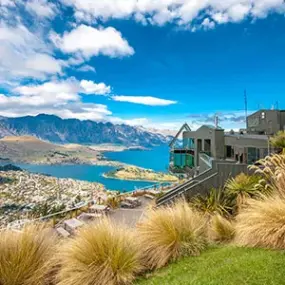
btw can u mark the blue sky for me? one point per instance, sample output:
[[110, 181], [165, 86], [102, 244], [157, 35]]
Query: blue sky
[[142, 62]]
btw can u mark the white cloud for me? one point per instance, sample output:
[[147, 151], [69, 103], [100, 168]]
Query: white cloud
[[181, 12], [10, 3], [144, 100], [90, 41], [42, 8], [25, 55], [238, 12], [57, 92], [12, 106], [131, 122], [86, 68], [54, 97], [90, 87], [208, 24]]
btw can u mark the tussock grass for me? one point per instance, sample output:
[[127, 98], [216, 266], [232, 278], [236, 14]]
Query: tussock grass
[[169, 233], [278, 140], [25, 255], [262, 224], [101, 253], [221, 230], [270, 169]]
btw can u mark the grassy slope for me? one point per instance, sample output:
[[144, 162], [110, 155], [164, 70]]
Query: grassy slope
[[34, 150], [224, 266]]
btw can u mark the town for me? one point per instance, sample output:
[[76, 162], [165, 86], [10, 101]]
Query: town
[[26, 195]]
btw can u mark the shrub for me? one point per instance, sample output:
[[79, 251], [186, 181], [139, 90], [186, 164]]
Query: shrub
[[271, 169], [113, 202], [25, 256], [221, 230], [278, 140], [262, 224], [215, 202], [169, 233], [101, 253], [242, 187]]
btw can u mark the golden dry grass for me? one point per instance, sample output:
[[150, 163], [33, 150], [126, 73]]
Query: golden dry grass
[[169, 233], [278, 140], [270, 169], [25, 256], [221, 230], [262, 224], [102, 253]]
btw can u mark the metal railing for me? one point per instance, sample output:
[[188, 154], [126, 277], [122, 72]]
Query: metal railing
[[206, 157]]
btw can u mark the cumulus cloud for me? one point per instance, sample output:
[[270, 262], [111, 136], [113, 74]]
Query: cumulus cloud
[[59, 97], [57, 92], [144, 100], [90, 87], [41, 8], [89, 41], [14, 107], [208, 24], [24, 54], [180, 12]]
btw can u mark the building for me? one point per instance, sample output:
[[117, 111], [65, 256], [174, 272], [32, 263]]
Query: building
[[266, 122], [72, 225], [209, 156], [212, 142]]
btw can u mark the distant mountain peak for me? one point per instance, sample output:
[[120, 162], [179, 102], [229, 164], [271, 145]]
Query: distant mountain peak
[[52, 128]]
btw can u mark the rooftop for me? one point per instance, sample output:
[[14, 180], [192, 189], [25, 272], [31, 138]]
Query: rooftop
[[247, 136]]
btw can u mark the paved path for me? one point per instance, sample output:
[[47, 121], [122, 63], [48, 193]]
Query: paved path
[[130, 217]]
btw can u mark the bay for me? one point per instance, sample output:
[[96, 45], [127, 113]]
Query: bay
[[156, 159]]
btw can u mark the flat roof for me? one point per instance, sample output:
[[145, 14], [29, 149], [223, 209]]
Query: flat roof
[[73, 223], [63, 232], [98, 207], [247, 136]]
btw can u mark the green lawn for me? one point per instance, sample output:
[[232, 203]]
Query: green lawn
[[224, 266]]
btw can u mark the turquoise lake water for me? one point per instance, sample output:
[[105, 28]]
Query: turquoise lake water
[[156, 159]]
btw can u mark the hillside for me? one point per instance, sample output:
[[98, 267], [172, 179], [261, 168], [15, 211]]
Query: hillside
[[28, 149], [55, 129]]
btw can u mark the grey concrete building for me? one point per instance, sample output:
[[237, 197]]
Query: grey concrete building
[[245, 147], [209, 156], [266, 122]]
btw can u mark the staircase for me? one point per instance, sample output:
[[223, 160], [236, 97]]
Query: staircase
[[187, 187], [215, 174]]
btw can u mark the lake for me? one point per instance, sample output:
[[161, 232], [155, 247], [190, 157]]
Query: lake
[[157, 159]]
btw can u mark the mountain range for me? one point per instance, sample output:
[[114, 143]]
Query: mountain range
[[57, 130]]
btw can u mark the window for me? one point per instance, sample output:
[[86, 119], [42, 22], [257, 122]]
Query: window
[[263, 115]]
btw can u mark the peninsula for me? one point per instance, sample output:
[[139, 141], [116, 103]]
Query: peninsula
[[31, 150], [140, 174]]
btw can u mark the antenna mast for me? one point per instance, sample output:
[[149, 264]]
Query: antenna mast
[[245, 106]]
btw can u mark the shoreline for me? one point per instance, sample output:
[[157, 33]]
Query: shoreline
[[137, 180], [111, 163]]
